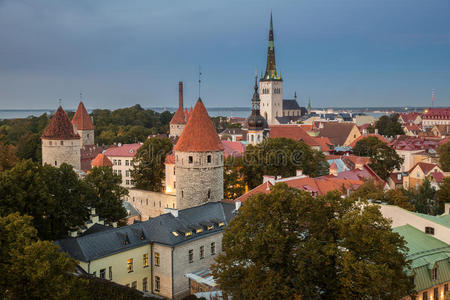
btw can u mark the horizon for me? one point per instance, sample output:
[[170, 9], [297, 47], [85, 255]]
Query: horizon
[[115, 53]]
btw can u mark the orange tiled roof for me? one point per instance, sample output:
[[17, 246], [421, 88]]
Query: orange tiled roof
[[178, 117], [101, 160], [60, 127], [81, 119], [170, 159], [199, 134], [294, 132]]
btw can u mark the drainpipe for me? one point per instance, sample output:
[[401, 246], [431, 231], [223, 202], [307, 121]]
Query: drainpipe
[[172, 273]]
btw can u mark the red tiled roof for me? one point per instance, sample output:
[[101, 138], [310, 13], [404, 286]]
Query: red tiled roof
[[101, 160], [437, 113], [170, 159], [81, 119], [409, 117], [324, 143], [199, 134], [380, 137], [294, 132], [126, 150], [357, 174], [411, 143], [426, 167], [438, 176], [394, 177], [234, 149], [60, 127], [178, 117], [412, 127]]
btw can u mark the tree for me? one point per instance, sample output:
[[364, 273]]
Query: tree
[[108, 193], [233, 182], [369, 190], [55, 197], [148, 172], [29, 146], [366, 146], [443, 194], [400, 198], [289, 245], [423, 199], [30, 268], [281, 156], [389, 125], [444, 156], [8, 156]]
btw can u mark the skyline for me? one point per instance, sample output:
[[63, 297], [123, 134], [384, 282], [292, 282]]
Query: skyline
[[119, 55]]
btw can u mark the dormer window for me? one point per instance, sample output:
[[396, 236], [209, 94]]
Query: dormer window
[[429, 230], [221, 224], [199, 230], [175, 233], [434, 273], [188, 233], [210, 227]]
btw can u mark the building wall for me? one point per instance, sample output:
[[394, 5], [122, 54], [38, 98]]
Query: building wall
[[119, 264], [197, 179], [122, 166], [408, 159], [163, 271], [353, 135], [271, 95], [176, 130], [182, 265], [87, 137], [150, 204], [417, 176], [255, 136], [432, 122], [56, 152], [170, 180], [430, 291], [400, 217], [292, 112]]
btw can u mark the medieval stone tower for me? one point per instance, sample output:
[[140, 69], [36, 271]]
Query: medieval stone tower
[[179, 118], [199, 160], [60, 144], [271, 85], [82, 125]]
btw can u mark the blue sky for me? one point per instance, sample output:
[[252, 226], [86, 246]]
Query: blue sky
[[119, 53]]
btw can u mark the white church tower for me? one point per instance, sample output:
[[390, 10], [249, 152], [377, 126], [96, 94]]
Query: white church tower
[[271, 86]]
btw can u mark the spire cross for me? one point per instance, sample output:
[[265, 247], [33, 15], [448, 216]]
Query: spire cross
[[199, 80]]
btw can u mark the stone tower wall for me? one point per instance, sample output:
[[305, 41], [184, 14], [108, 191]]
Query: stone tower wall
[[271, 95], [87, 137], [198, 177], [176, 130], [56, 152]]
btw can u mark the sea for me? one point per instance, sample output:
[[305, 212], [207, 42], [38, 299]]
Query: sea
[[242, 112]]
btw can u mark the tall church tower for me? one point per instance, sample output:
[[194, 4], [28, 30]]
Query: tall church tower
[[82, 125], [271, 85], [60, 143], [199, 160]]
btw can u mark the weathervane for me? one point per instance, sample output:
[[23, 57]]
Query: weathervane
[[199, 79], [60, 101]]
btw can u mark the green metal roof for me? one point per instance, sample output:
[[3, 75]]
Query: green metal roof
[[425, 253], [443, 220]]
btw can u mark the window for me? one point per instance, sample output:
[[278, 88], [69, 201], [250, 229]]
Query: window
[[191, 159], [110, 273], [127, 173], [209, 159], [157, 257], [202, 252], [182, 194], [209, 193], [56, 163], [199, 230], [436, 293], [144, 284], [134, 285], [174, 185], [210, 227], [103, 273], [130, 265], [191, 256], [119, 162], [174, 170], [119, 172], [145, 260], [62, 143], [429, 230], [127, 182], [115, 162], [157, 284], [434, 273], [127, 162], [213, 248], [445, 288], [188, 233], [175, 233], [94, 274], [221, 224], [425, 296]]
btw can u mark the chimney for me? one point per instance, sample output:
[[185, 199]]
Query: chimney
[[376, 130], [299, 173], [173, 211], [237, 205], [180, 94], [268, 178]]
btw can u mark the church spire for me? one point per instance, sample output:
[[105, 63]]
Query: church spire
[[271, 69]]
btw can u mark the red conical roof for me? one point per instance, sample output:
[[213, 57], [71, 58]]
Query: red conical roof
[[199, 134], [81, 118], [60, 127], [101, 160], [178, 117]]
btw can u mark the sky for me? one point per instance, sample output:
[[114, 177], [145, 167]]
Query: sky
[[119, 53]]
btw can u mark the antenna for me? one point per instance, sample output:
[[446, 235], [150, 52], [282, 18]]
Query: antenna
[[199, 79], [433, 93]]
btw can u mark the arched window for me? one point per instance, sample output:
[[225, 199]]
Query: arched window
[[209, 193]]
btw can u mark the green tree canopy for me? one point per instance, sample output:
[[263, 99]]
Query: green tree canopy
[[30, 268], [148, 172], [389, 125], [108, 193], [443, 194], [444, 156], [289, 245], [423, 198], [281, 156], [383, 159], [8, 156], [29, 146]]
